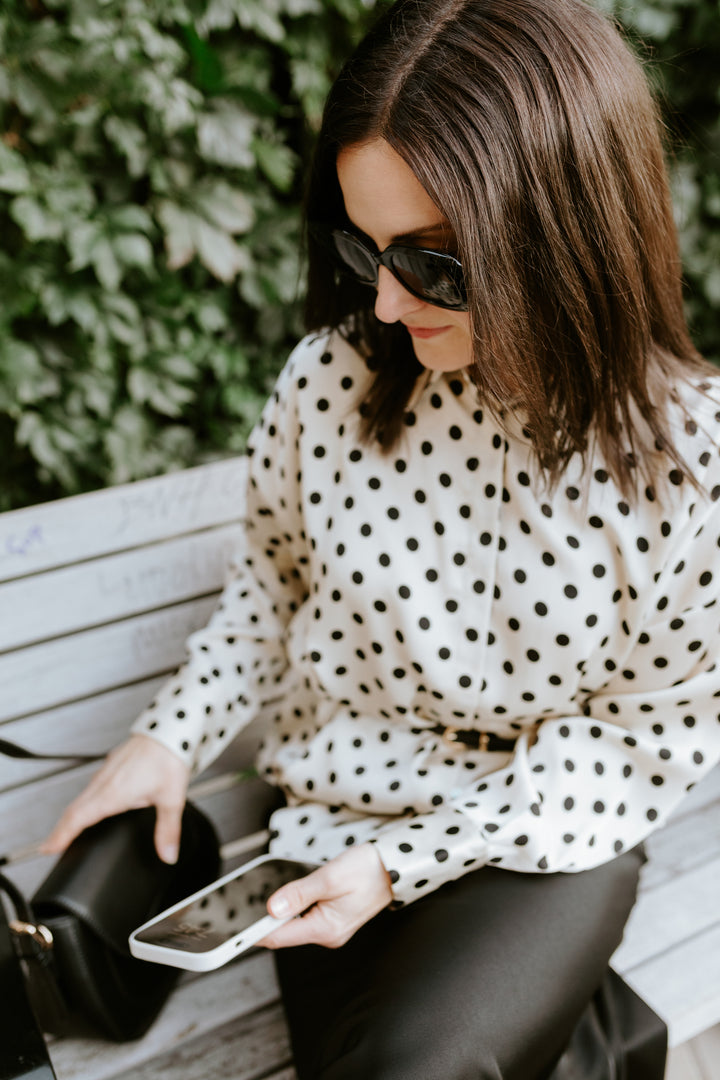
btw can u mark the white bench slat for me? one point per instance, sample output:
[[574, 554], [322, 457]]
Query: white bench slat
[[690, 835], [197, 1006], [71, 668], [671, 913], [682, 1064], [115, 587], [681, 845], [707, 1051], [96, 725], [82, 527], [239, 1050], [86, 727], [707, 791], [683, 985]]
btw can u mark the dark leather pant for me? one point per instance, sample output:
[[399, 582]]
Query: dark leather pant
[[484, 978]]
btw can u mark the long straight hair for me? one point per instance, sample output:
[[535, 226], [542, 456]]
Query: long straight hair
[[531, 126]]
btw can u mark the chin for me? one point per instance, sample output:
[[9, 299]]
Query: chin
[[435, 358]]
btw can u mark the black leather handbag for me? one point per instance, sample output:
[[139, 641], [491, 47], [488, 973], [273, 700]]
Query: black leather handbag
[[72, 936]]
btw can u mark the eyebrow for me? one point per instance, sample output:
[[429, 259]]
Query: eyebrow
[[440, 227]]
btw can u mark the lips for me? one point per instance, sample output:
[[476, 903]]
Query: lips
[[425, 331]]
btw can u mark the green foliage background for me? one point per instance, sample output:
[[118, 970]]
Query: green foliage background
[[151, 158]]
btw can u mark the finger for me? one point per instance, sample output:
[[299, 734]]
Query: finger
[[102, 798], [135, 774], [321, 925], [297, 896], [168, 825], [79, 815], [306, 930]]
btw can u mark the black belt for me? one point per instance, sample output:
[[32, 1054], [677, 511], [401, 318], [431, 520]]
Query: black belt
[[472, 738]]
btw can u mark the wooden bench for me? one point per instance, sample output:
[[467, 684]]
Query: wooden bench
[[97, 596]]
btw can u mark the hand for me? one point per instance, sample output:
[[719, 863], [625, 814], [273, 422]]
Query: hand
[[344, 893], [139, 772]]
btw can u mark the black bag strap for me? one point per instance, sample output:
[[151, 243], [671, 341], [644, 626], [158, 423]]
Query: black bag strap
[[23, 1052], [32, 940], [14, 750]]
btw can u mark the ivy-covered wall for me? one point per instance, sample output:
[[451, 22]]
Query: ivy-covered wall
[[680, 41], [151, 158], [149, 186]]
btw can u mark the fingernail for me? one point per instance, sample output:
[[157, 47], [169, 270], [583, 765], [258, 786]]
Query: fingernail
[[280, 907], [169, 853]]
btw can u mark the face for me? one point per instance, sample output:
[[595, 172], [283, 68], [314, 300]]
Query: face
[[385, 200]]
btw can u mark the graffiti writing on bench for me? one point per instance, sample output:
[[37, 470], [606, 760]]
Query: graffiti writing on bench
[[24, 543], [180, 497]]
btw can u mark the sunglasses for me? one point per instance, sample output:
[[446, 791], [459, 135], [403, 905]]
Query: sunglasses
[[432, 276]]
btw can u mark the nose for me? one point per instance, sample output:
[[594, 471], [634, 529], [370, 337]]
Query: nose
[[393, 301]]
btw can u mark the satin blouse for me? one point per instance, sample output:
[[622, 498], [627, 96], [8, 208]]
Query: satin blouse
[[381, 602]]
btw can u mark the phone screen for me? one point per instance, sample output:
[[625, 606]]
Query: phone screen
[[220, 914]]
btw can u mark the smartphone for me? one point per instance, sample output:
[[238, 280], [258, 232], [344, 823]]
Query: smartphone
[[215, 924]]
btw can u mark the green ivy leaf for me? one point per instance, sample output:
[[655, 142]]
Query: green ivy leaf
[[106, 264], [227, 207], [208, 74], [218, 252], [99, 392], [187, 234], [133, 249], [131, 141], [51, 444], [23, 374], [81, 242], [177, 226], [277, 161], [172, 100], [260, 16], [14, 175], [163, 394], [34, 219], [225, 133], [210, 316]]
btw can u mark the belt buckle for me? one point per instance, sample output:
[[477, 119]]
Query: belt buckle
[[452, 735]]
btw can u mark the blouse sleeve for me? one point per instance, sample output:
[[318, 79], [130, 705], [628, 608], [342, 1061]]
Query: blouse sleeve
[[236, 662], [589, 786]]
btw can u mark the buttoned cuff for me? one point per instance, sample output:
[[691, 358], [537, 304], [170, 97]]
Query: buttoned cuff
[[421, 853]]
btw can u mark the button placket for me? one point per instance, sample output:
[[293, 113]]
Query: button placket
[[476, 578]]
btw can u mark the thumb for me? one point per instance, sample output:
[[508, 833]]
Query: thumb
[[297, 896], [168, 823]]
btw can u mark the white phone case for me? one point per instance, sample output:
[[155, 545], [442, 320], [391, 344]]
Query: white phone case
[[217, 923]]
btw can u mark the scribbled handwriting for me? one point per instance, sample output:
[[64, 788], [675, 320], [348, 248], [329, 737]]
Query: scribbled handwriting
[[24, 543]]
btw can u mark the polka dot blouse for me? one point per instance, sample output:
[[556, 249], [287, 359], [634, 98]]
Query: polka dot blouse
[[382, 602]]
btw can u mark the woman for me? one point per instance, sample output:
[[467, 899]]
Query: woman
[[476, 595]]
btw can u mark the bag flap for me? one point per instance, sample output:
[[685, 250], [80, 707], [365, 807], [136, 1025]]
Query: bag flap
[[112, 880]]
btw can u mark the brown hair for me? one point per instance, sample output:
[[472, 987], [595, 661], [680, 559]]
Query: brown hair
[[531, 126]]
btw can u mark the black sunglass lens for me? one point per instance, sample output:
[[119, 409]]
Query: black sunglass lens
[[429, 276], [355, 257]]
